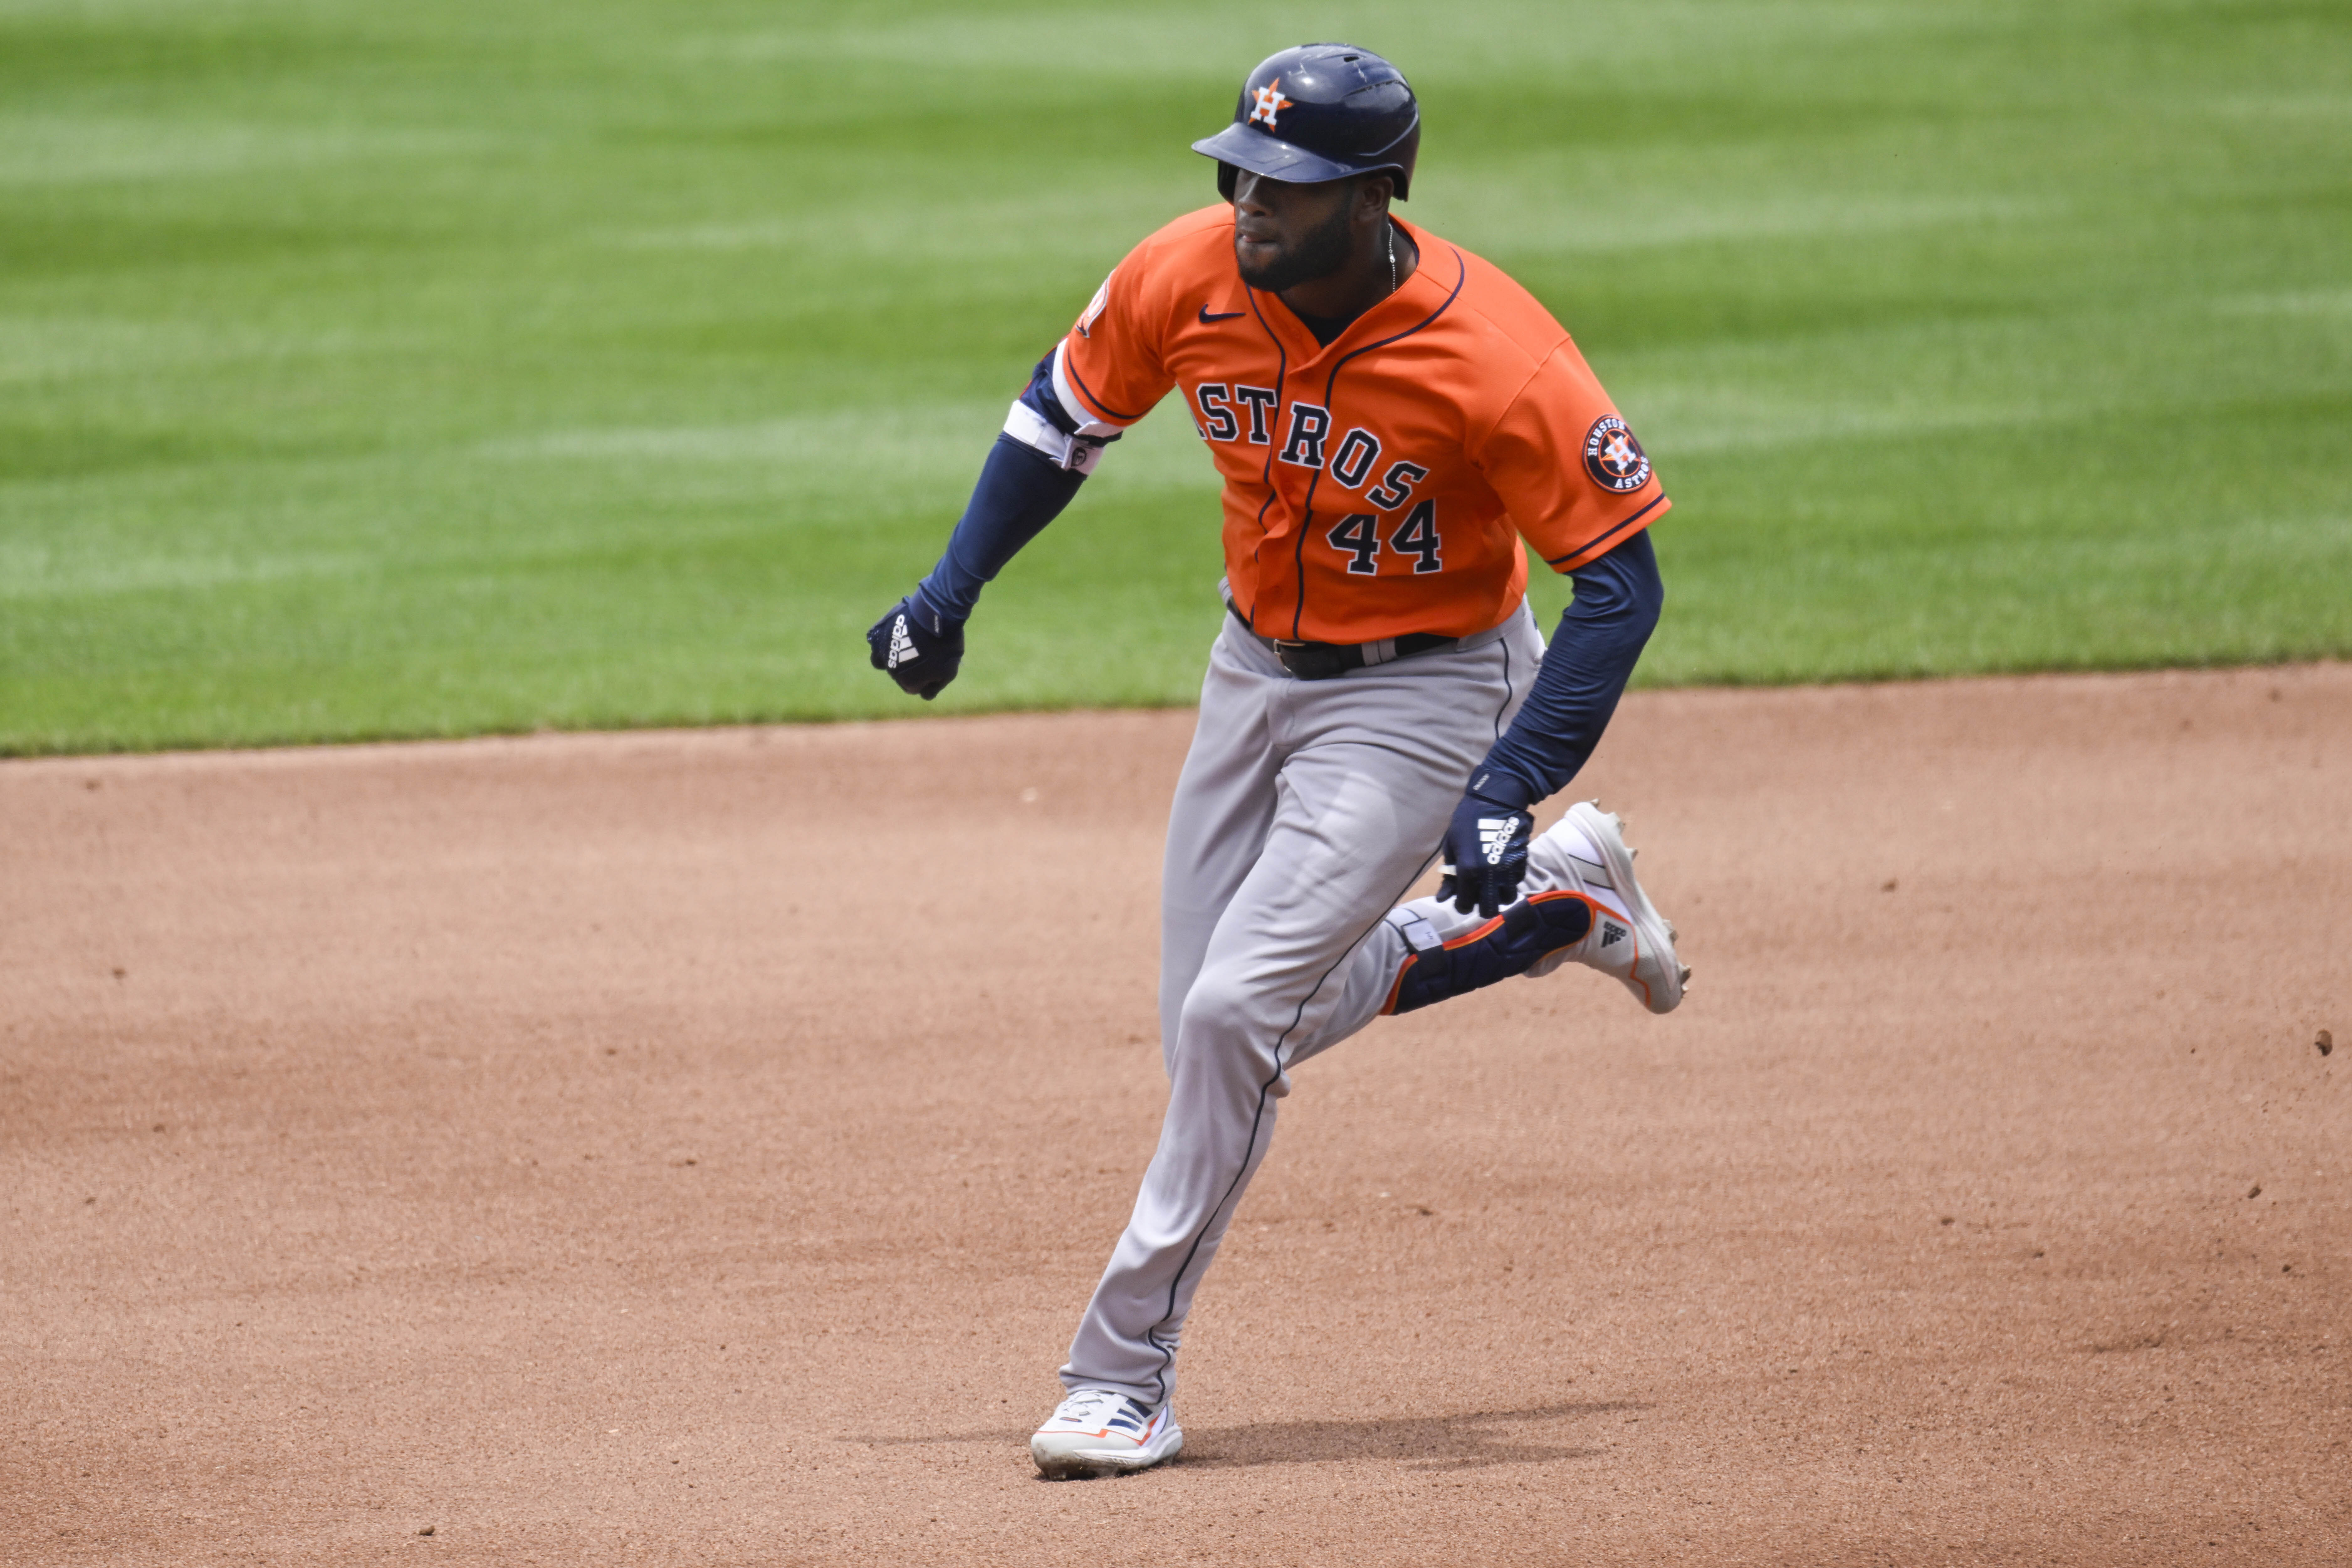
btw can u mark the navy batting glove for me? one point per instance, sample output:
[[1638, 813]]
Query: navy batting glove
[[1485, 854], [919, 648]]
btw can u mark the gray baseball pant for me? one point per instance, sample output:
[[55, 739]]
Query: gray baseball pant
[[1305, 811]]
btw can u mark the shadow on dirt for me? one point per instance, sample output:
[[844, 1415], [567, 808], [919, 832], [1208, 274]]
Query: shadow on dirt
[[1466, 1442]]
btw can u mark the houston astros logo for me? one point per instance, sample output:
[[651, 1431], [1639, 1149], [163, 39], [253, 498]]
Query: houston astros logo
[[1613, 458], [1270, 102]]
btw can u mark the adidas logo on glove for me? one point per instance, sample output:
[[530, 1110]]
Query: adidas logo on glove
[[1494, 836], [902, 647]]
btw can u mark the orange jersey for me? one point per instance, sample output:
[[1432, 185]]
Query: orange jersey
[[1379, 485]]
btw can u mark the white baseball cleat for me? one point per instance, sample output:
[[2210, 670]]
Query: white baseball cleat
[[1095, 1432], [1638, 949]]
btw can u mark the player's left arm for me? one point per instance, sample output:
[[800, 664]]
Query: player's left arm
[[1581, 489], [1619, 596]]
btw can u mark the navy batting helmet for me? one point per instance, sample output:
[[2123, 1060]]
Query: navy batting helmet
[[1321, 111]]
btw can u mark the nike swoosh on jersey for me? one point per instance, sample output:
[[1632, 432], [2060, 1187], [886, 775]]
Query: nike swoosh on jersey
[[1221, 316]]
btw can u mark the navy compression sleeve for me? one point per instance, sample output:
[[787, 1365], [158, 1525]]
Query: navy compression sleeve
[[1020, 491], [1591, 657]]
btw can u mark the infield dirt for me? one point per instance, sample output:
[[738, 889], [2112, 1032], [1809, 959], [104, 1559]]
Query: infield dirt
[[697, 1147]]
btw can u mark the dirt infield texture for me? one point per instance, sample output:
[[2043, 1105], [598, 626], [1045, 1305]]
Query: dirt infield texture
[[681, 1148]]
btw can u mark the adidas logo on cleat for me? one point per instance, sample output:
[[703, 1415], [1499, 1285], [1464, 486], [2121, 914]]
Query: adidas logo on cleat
[[1612, 934]]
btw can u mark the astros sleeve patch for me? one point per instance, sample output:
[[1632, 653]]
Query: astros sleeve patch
[[1567, 465]]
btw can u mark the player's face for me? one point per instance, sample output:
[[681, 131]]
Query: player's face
[[1286, 234]]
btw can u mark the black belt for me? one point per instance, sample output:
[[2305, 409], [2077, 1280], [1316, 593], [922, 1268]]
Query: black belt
[[1322, 661]]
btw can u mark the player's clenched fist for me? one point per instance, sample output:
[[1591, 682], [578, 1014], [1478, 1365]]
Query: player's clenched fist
[[918, 648], [1486, 855]]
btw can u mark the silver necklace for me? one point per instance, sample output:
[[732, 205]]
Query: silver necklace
[[1392, 277]]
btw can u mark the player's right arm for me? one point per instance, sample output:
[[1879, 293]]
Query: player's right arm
[[1031, 472], [1053, 437]]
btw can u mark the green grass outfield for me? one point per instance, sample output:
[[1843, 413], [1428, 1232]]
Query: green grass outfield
[[375, 370]]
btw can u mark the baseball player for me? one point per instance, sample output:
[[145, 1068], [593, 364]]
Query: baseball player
[[1392, 416]]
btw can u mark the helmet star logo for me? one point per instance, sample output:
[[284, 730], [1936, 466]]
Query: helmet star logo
[[1270, 102]]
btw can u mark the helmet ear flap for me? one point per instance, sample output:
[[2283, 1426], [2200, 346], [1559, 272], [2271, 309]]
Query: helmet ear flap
[[1407, 153], [1227, 177]]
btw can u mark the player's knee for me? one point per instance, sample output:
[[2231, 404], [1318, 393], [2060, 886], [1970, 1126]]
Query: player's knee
[[1219, 1008]]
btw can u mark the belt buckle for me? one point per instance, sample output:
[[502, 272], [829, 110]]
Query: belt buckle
[[1309, 661]]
